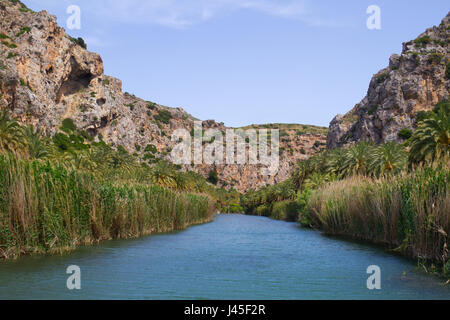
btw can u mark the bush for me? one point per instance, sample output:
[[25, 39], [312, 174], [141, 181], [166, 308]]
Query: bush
[[150, 148], [263, 211], [285, 210], [79, 41], [405, 133], [423, 41], [68, 125], [382, 78], [163, 116], [213, 177]]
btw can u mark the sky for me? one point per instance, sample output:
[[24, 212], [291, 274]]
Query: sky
[[247, 62]]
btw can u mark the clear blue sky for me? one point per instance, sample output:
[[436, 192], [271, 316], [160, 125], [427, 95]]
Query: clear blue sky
[[247, 61]]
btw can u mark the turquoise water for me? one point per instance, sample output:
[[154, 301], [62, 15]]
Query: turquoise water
[[233, 257]]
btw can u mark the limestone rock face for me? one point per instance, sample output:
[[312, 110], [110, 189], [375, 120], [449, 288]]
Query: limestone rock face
[[414, 81], [46, 76]]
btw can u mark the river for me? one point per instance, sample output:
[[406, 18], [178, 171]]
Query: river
[[233, 257]]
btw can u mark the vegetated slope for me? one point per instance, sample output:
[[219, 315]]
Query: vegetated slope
[[414, 81], [46, 76]]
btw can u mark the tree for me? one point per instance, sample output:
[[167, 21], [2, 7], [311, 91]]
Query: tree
[[35, 145], [11, 133], [432, 138], [388, 158], [356, 159], [163, 175]]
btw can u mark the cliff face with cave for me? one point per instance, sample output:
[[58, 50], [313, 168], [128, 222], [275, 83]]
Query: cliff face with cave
[[416, 80], [47, 76]]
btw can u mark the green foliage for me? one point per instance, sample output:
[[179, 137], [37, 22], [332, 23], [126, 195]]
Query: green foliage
[[23, 30], [431, 140], [68, 125], [408, 212], [151, 105], [435, 58], [405, 133], [285, 210], [79, 41], [213, 177], [9, 45], [382, 78], [163, 116], [11, 133], [151, 148], [65, 208], [422, 42]]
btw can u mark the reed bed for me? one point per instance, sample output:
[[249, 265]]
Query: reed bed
[[409, 212], [47, 208]]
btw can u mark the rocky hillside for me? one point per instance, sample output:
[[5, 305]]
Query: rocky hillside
[[46, 76], [414, 81]]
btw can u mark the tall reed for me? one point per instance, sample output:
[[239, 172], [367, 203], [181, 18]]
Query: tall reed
[[409, 212], [46, 207]]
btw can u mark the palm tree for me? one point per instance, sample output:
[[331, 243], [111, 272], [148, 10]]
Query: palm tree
[[431, 139], [36, 147], [335, 161], [302, 171], [388, 158], [356, 159], [11, 135], [163, 175]]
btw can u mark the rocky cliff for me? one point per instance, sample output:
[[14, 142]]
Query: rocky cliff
[[416, 80], [46, 76]]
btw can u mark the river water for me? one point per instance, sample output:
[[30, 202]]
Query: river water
[[233, 257]]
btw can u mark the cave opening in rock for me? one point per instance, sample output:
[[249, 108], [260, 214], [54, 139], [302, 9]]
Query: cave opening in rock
[[78, 79]]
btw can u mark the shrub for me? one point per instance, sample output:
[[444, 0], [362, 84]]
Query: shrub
[[382, 78], [435, 58], [213, 177], [151, 148], [11, 55], [79, 41], [285, 210], [405, 133], [163, 116], [263, 211], [68, 125], [423, 41], [23, 30]]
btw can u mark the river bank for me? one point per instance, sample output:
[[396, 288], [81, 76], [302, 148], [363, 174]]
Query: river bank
[[47, 208], [407, 213]]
